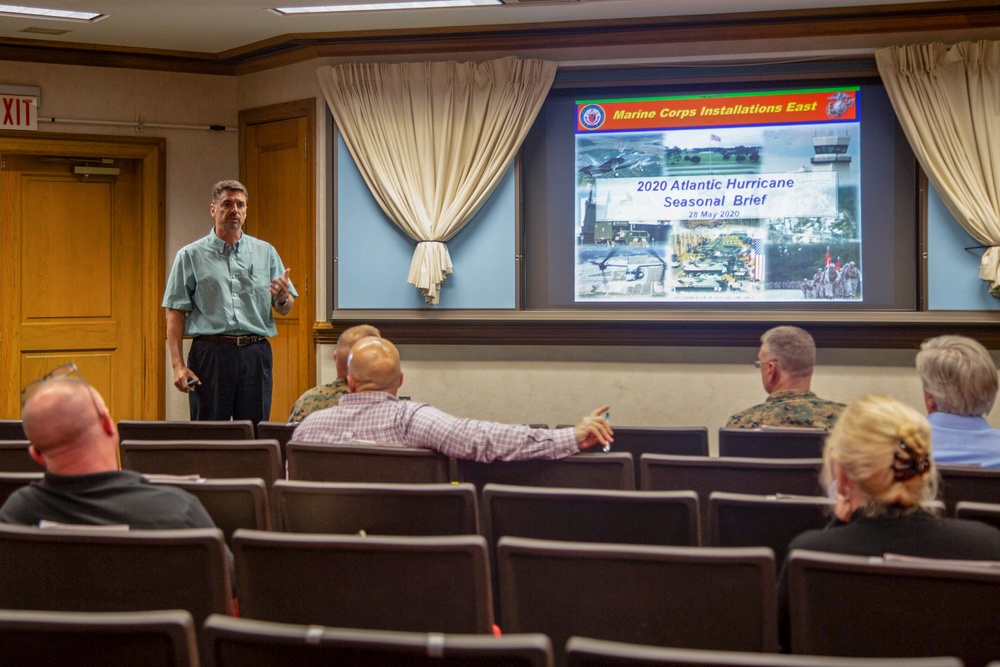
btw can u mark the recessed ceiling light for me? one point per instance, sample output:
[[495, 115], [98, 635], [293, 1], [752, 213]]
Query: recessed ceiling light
[[374, 6], [42, 13]]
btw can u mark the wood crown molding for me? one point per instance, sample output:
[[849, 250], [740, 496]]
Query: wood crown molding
[[294, 48], [881, 330]]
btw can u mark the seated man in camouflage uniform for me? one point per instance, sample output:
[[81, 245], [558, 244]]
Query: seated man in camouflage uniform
[[786, 360], [328, 395]]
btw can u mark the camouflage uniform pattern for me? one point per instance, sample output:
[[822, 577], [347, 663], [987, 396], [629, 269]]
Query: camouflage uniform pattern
[[789, 407], [317, 398]]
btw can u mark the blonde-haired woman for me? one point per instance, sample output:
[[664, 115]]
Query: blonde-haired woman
[[877, 460]]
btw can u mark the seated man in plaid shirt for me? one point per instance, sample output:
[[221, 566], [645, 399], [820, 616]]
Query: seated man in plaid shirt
[[373, 413]]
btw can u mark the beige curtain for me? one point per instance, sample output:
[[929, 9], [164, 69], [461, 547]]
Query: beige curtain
[[433, 140], [948, 102]]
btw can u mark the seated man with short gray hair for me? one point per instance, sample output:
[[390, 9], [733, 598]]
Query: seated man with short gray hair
[[786, 360], [960, 386]]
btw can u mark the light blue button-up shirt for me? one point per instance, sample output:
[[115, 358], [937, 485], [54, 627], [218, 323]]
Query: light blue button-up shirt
[[225, 289], [960, 439]]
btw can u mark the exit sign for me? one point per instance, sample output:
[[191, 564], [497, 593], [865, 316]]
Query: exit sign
[[18, 112]]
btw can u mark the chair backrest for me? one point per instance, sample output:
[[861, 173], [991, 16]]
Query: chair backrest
[[417, 584], [946, 608], [114, 639], [376, 509], [14, 457], [232, 503], [385, 464], [738, 520], [586, 652], [985, 512], [676, 440], [591, 515], [280, 431], [89, 569], [694, 597], [238, 642], [207, 458], [959, 482], [12, 429], [12, 481], [703, 475], [772, 443], [613, 471], [141, 429]]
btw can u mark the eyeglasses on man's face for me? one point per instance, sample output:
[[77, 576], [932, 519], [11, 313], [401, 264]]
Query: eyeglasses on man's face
[[65, 371], [759, 364]]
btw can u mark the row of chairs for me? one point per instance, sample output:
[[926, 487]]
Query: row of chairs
[[690, 597], [658, 472], [377, 464], [583, 515], [680, 441], [167, 639]]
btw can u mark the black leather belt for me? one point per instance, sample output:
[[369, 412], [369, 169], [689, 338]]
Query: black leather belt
[[238, 341]]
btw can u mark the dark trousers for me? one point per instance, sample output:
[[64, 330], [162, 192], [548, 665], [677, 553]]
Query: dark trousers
[[235, 381]]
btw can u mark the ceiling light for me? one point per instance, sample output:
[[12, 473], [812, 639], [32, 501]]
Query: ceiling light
[[373, 6], [42, 13]]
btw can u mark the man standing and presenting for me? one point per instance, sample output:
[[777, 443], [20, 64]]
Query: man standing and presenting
[[221, 292], [373, 413], [786, 360], [327, 395]]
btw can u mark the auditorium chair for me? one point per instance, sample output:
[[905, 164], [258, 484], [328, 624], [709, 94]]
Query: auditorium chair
[[591, 515], [695, 597], [109, 639], [972, 483], [741, 520], [612, 471], [873, 607], [232, 503], [141, 429], [280, 431], [675, 440], [12, 481], [375, 509], [204, 458], [88, 568], [241, 642], [415, 584], [772, 443], [586, 652], [385, 464], [14, 457], [703, 475], [12, 429], [985, 512]]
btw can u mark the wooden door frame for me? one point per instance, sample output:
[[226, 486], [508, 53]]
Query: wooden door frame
[[151, 152], [305, 108]]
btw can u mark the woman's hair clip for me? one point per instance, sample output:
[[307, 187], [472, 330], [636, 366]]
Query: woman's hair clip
[[907, 463]]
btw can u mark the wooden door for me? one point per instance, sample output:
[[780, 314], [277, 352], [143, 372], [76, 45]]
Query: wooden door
[[71, 257], [278, 170]]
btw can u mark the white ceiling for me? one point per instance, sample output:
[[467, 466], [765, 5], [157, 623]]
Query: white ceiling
[[218, 26]]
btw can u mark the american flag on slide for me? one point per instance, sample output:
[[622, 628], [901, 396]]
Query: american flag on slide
[[716, 137], [757, 258]]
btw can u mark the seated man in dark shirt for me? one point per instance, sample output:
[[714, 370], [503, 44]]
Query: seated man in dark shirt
[[76, 440]]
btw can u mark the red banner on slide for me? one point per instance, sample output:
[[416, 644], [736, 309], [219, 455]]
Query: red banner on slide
[[784, 108]]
